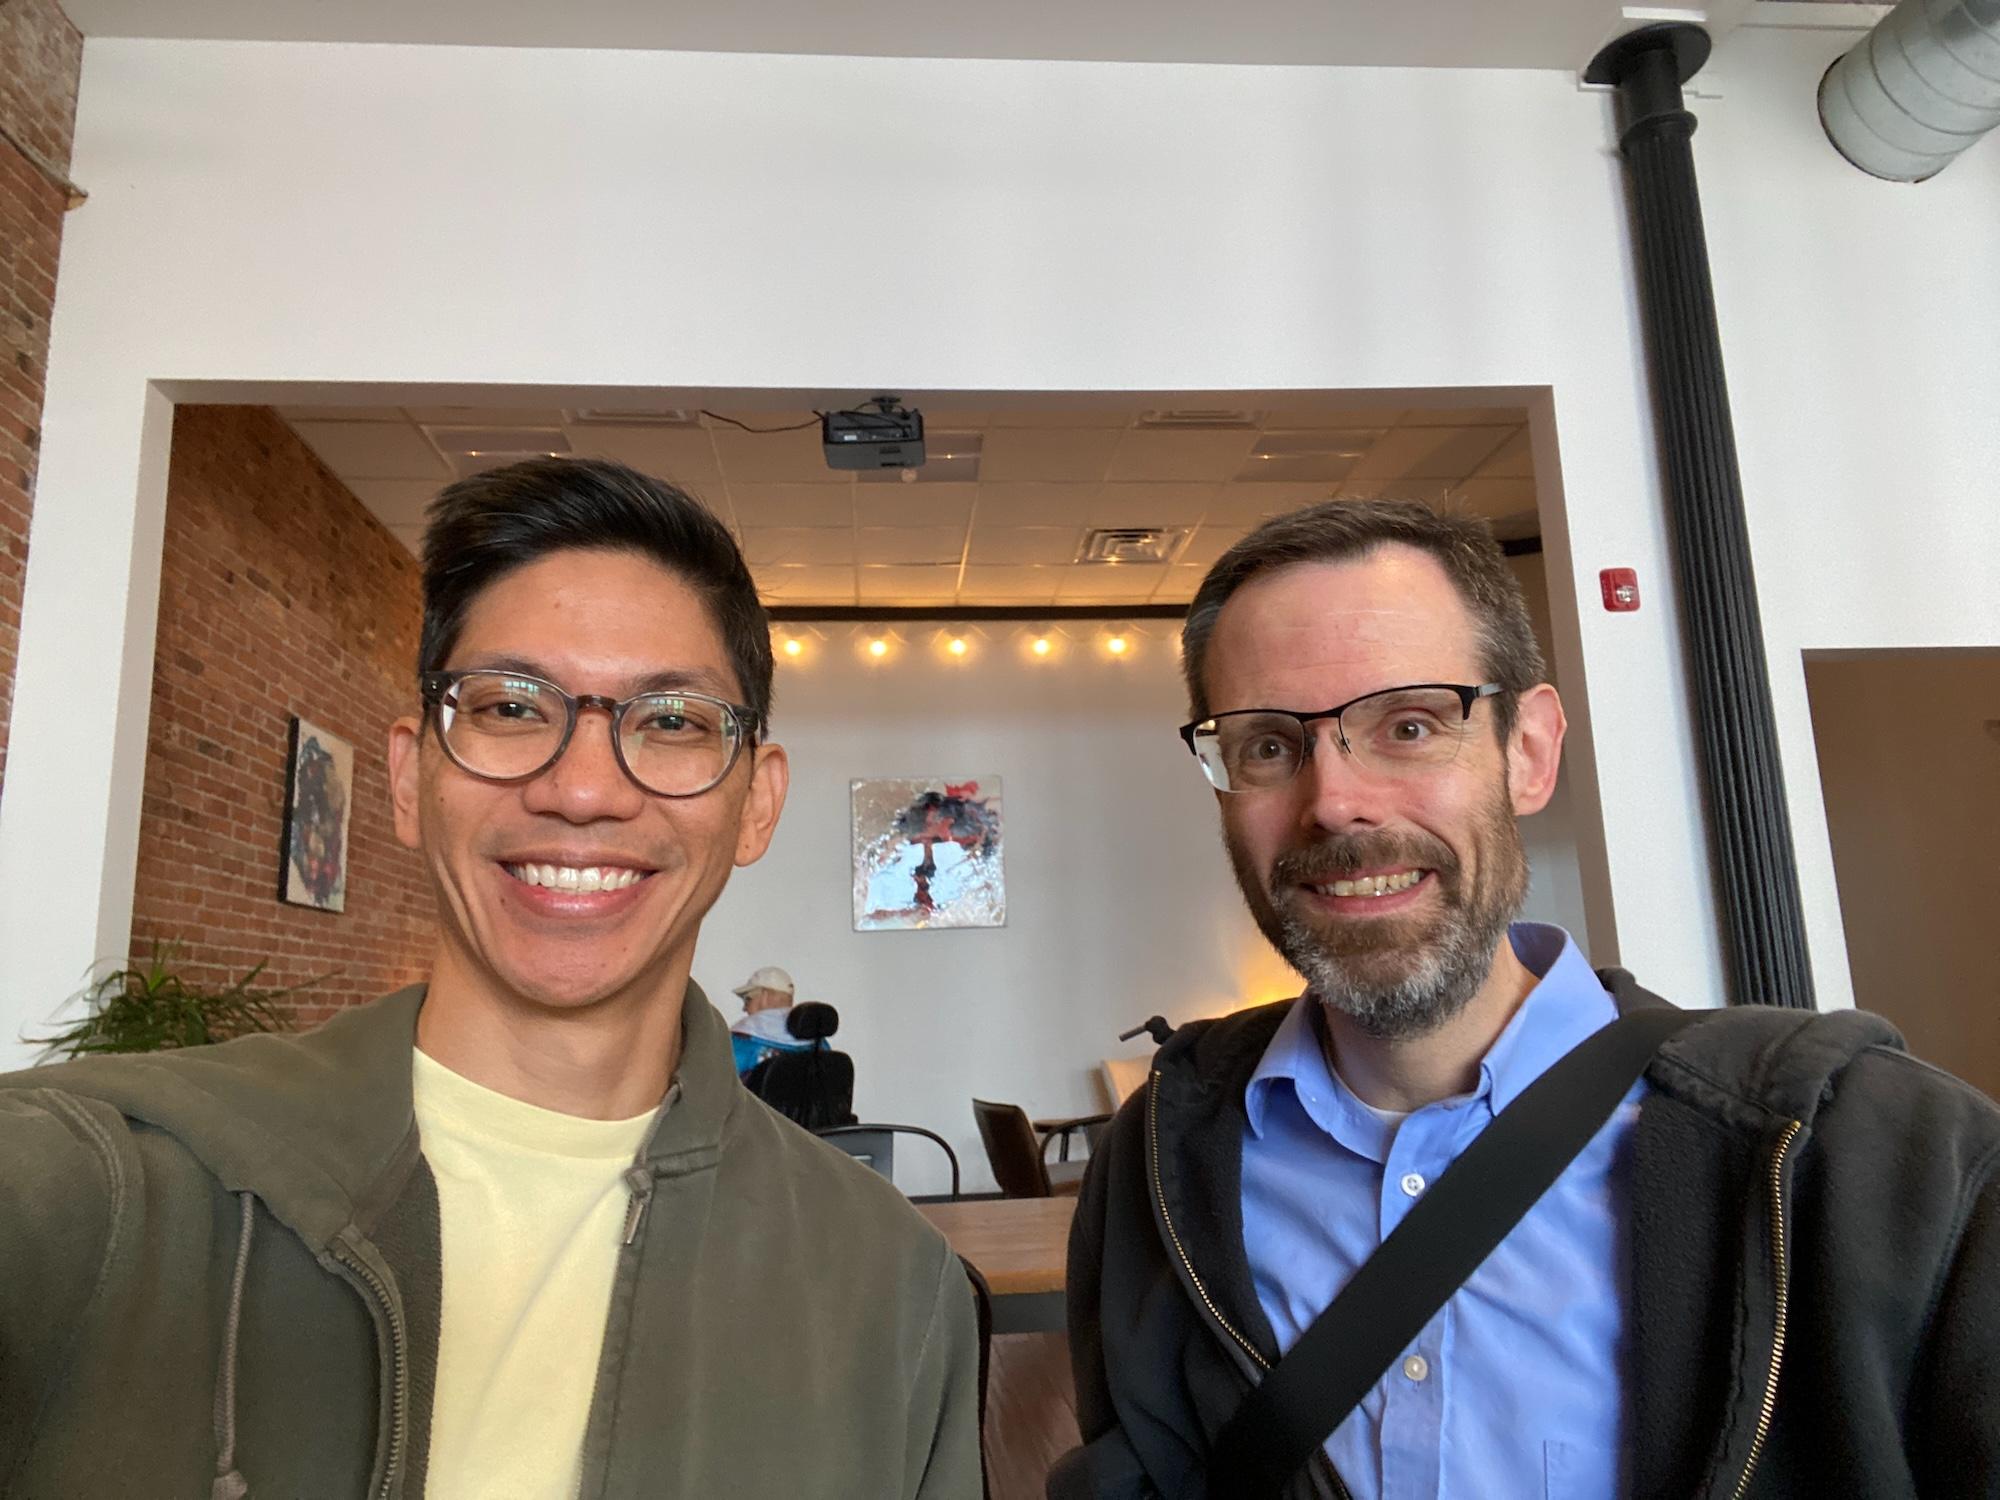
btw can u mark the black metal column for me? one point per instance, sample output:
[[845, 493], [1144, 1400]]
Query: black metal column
[[1750, 831]]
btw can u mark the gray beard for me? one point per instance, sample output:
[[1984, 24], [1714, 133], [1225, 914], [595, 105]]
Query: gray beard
[[1417, 980], [1436, 985]]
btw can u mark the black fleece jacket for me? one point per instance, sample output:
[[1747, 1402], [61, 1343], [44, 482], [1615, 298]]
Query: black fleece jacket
[[1815, 1253]]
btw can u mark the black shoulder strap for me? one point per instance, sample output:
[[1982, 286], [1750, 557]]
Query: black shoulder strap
[[1455, 1226]]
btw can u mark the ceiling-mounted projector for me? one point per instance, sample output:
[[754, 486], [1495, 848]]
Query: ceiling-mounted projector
[[878, 435]]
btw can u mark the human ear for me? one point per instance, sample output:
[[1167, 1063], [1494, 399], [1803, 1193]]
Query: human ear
[[770, 778], [405, 782], [1534, 750]]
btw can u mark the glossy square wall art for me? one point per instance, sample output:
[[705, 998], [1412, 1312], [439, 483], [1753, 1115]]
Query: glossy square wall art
[[927, 854], [319, 795]]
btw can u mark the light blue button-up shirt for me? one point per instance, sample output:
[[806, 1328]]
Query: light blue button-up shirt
[[1516, 1387]]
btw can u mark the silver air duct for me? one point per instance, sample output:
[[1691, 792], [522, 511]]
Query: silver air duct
[[1922, 86]]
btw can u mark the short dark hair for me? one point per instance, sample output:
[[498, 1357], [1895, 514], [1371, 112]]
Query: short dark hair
[[484, 527], [1342, 530]]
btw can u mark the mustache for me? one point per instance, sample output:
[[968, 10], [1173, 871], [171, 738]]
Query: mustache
[[1342, 856]]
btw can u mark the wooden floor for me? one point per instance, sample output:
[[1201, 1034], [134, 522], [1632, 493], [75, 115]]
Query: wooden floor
[[1030, 1412]]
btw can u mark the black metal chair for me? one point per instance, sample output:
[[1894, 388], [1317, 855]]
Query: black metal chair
[[874, 1145], [814, 1087]]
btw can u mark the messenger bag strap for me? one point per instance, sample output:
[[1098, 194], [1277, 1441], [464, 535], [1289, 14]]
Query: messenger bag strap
[[1444, 1238]]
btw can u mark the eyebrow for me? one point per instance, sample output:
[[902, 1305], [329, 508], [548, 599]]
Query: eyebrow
[[666, 680]]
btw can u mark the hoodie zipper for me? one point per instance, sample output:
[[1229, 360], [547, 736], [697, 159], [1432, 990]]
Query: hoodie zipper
[[1321, 1461], [1781, 1274], [399, 1379]]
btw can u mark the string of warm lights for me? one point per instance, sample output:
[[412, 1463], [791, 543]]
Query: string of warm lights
[[1044, 643]]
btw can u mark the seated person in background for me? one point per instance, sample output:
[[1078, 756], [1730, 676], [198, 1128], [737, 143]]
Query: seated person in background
[[514, 1231], [763, 1027]]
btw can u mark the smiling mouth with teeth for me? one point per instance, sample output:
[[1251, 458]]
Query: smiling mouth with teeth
[[1369, 885], [581, 879]]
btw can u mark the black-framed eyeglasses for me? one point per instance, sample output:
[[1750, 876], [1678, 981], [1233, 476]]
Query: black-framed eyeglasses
[[1398, 731], [510, 726]]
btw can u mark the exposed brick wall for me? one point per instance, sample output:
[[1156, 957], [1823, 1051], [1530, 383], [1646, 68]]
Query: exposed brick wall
[[40, 53], [279, 595]]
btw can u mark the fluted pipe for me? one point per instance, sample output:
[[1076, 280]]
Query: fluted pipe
[[1917, 90]]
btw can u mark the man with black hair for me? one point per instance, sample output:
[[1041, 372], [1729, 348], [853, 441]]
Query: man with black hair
[[1769, 1270], [517, 1231]]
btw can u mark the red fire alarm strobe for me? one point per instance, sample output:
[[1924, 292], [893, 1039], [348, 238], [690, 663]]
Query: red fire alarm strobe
[[1621, 589]]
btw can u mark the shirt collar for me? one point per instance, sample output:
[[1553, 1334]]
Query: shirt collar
[[1566, 1005], [1294, 1068]]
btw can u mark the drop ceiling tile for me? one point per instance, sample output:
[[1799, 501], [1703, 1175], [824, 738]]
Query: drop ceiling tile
[[1250, 503], [1010, 585], [1019, 546], [792, 504], [909, 585], [1190, 456], [1429, 452], [1495, 497], [914, 504], [1514, 459], [1047, 454], [485, 416], [782, 585], [679, 455], [1465, 416], [341, 413], [775, 457], [395, 502], [910, 544], [799, 546], [1282, 417], [373, 450], [1101, 584], [1149, 504], [1034, 504], [1104, 416], [1430, 491], [1182, 582], [1207, 544]]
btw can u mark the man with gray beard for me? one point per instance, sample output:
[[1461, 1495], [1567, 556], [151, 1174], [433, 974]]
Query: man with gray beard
[[1370, 710]]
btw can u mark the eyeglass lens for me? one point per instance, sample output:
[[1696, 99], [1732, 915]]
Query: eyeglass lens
[[1406, 730], [509, 727]]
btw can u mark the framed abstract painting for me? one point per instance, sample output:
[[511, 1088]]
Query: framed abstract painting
[[319, 796], [927, 854]]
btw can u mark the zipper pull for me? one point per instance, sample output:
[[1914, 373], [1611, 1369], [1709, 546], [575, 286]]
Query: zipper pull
[[640, 1180]]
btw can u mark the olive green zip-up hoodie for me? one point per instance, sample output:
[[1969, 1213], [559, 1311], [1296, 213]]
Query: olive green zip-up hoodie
[[219, 1276]]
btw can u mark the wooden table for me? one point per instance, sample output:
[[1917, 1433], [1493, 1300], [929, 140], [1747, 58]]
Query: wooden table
[[1021, 1247]]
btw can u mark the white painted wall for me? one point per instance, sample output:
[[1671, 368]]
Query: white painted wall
[[1120, 900], [1859, 322], [271, 213]]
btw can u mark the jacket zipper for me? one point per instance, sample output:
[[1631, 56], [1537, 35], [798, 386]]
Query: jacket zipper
[[1781, 1269], [1194, 1277], [399, 1370]]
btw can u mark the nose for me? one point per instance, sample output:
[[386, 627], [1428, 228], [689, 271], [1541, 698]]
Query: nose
[[1338, 793], [586, 783]]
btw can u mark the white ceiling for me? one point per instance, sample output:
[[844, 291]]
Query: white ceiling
[[1435, 33], [1009, 535]]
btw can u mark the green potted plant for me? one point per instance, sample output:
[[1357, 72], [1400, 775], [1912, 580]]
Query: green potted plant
[[150, 1007]]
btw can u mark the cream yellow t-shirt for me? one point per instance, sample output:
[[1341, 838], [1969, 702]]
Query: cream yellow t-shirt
[[531, 1207]]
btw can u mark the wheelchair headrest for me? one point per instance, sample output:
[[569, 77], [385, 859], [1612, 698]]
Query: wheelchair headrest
[[812, 1021]]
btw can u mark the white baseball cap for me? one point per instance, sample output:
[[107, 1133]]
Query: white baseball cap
[[767, 979]]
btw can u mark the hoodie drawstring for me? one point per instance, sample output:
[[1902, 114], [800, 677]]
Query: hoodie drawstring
[[230, 1485]]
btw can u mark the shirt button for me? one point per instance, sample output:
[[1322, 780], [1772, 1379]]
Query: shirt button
[[1413, 1184], [1416, 1367]]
